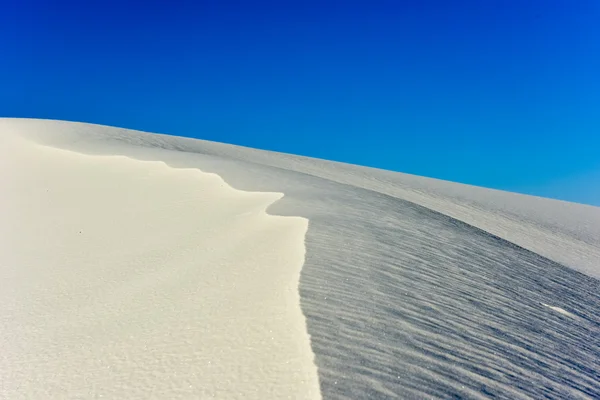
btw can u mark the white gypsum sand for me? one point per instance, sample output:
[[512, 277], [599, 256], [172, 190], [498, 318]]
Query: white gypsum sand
[[411, 287], [127, 279]]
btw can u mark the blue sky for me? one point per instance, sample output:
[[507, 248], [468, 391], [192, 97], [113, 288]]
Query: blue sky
[[497, 93]]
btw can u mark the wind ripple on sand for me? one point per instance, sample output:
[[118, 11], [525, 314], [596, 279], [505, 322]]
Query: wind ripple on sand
[[405, 302]]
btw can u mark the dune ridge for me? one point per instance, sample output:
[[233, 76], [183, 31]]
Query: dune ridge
[[565, 232]]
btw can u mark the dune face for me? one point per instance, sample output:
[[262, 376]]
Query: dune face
[[129, 279], [411, 287]]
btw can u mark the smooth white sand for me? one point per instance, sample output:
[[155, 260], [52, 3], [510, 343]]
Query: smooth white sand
[[126, 279]]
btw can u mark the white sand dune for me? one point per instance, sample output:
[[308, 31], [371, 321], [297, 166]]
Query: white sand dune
[[128, 266]]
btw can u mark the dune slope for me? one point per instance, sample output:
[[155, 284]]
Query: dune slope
[[412, 287], [129, 279]]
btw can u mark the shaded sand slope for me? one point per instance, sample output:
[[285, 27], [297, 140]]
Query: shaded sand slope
[[412, 287], [128, 279]]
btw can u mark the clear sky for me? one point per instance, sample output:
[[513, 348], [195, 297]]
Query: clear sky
[[497, 93]]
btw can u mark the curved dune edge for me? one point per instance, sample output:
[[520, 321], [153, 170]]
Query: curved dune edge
[[564, 232], [132, 279]]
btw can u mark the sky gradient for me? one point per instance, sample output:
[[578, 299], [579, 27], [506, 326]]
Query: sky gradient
[[502, 94]]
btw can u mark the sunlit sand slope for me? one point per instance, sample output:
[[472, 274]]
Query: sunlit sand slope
[[127, 279]]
